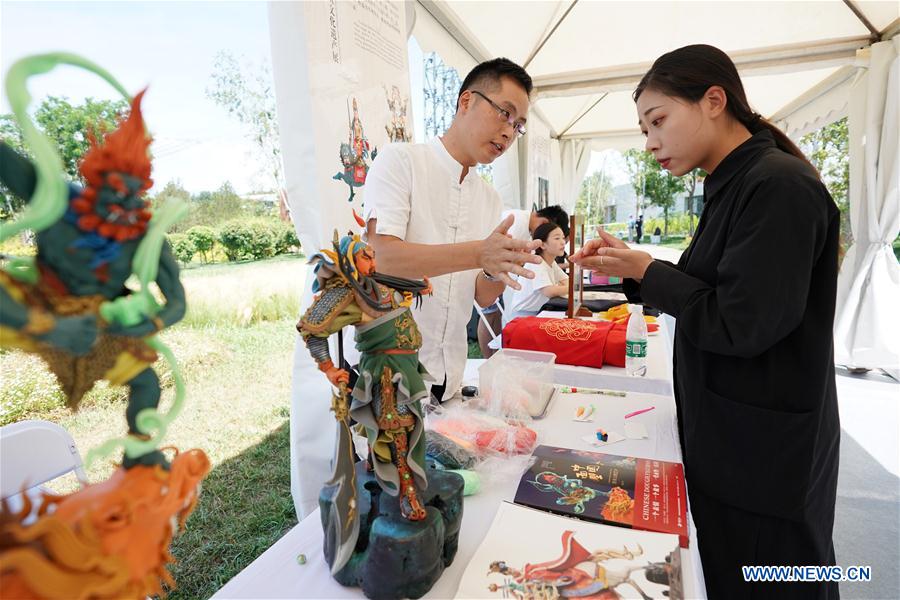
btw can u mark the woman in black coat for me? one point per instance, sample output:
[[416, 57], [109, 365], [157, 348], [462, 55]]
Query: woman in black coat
[[754, 298]]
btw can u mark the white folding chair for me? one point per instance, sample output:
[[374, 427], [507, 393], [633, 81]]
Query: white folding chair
[[496, 340], [33, 453]]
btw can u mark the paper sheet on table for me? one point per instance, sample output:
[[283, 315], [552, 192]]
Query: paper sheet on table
[[635, 430]]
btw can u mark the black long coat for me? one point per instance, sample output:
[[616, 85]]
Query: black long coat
[[754, 298]]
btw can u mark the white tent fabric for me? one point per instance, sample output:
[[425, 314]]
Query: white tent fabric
[[310, 445], [506, 178], [586, 57], [321, 60], [867, 320], [824, 103], [575, 155]]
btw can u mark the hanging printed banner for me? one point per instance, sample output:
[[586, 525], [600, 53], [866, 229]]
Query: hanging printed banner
[[537, 168], [342, 86]]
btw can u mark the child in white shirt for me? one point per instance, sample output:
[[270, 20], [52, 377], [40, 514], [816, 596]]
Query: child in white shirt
[[549, 279]]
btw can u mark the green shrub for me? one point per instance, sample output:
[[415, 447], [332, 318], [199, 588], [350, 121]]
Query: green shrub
[[204, 238], [182, 247], [679, 224], [247, 239], [286, 237]]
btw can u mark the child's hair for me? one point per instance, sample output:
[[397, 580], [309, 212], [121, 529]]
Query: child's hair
[[542, 232]]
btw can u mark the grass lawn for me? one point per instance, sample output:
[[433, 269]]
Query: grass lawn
[[235, 347], [678, 244]]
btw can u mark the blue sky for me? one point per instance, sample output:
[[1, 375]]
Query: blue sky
[[168, 46]]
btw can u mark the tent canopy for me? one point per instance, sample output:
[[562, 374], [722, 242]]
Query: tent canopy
[[585, 57]]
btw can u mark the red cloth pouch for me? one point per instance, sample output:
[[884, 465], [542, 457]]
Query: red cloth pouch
[[574, 341]]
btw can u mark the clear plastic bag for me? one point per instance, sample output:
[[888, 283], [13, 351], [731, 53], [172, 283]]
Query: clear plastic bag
[[461, 436], [516, 384]]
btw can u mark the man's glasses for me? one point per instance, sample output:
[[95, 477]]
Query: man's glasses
[[518, 126]]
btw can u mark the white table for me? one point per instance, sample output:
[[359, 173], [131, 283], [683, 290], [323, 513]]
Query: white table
[[276, 573]]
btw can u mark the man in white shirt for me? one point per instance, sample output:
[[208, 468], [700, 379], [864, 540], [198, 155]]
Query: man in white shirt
[[429, 213]]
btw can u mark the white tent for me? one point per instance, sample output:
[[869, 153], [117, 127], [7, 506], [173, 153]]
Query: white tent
[[804, 65], [586, 57], [867, 321]]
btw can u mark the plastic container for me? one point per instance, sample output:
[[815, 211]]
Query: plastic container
[[517, 382], [636, 342], [599, 279]]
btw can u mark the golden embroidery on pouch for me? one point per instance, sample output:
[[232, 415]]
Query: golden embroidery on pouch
[[568, 330]]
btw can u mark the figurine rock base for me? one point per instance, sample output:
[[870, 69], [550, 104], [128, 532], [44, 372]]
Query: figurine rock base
[[396, 558]]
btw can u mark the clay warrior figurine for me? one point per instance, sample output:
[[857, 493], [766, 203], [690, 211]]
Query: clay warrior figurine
[[70, 305], [386, 397]]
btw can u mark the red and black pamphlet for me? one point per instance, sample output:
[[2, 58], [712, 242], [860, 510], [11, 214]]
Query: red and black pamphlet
[[638, 493]]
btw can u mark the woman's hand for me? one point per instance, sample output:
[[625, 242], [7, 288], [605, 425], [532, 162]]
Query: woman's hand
[[604, 241], [609, 255]]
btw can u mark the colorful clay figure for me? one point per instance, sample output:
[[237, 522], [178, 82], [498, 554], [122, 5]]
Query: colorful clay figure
[[107, 540], [386, 400], [70, 304]]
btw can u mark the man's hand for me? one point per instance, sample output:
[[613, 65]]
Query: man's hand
[[502, 256], [611, 256], [429, 289]]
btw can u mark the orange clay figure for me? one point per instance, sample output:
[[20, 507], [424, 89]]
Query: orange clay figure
[[107, 540]]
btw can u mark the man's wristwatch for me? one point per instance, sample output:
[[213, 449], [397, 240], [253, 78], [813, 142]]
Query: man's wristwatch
[[488, 276]]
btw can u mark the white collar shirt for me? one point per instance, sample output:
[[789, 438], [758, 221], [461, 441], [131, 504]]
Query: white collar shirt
[[414, 192]]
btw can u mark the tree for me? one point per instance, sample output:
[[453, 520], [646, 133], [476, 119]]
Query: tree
[[214, 208], [203, 238], [652, 182], [828, 149], [173, 190], [690, 185], [247, 94], [596, 190], [71, 127], [182, 247], [206, 208], [68, 127]]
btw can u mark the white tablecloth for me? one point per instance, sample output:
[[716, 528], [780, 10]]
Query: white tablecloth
[[277, 574]]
